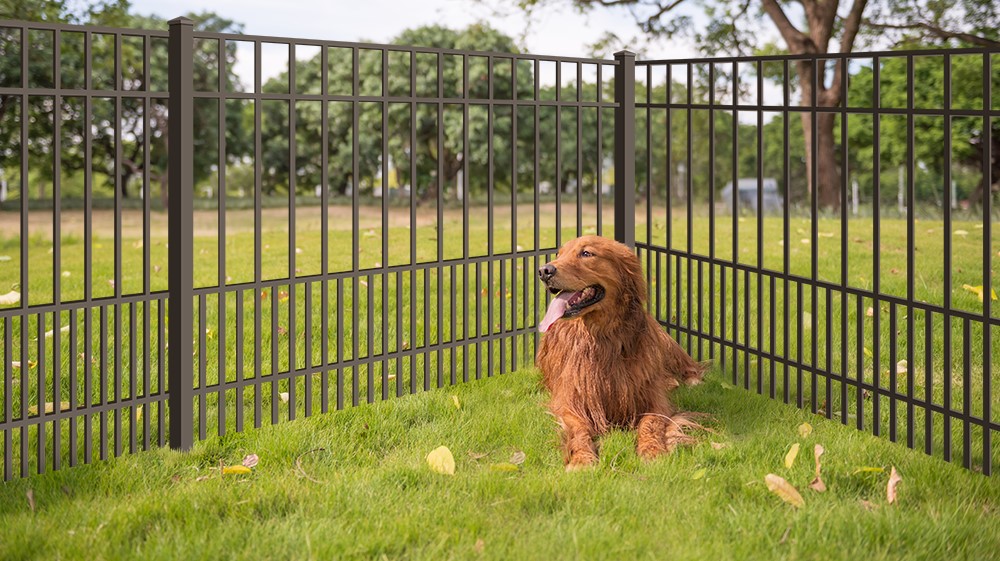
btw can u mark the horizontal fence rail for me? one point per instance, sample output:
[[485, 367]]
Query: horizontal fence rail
[[801, 227]]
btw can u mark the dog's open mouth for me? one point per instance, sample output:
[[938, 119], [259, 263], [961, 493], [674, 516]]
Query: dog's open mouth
[[568, 304]]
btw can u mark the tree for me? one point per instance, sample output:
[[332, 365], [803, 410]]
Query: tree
[[103, 120], [822, 23]]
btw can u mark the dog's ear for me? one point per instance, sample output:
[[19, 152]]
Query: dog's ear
[[630, 277]]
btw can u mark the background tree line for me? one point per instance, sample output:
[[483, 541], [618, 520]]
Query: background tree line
[[420, 151]]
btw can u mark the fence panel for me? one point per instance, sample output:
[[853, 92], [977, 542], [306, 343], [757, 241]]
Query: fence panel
[[803, 227]]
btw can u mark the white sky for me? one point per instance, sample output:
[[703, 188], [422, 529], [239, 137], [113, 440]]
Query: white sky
[[554, 31]]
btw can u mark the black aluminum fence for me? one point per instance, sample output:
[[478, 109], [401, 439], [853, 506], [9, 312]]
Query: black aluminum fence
[[352, 222], [365, 223], [856, 301]]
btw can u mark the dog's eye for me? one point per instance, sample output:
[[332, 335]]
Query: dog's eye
[[586, 253]]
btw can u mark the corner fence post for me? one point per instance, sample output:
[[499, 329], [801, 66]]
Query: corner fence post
[[625, 148], [180, 148]]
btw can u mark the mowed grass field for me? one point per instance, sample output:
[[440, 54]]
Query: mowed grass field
[[368, 492], [355, 485]]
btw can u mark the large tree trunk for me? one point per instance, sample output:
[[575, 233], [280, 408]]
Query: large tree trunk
[[828, 181]]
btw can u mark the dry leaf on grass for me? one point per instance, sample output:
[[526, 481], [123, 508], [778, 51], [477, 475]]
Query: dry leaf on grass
[[477, 455], [901, 367], [870, 311], [719, 445], [480, 545], [11, 298], [978, 291], [890, 488], [517, 458], [817, 483], [283, 396], [777, 485], [31, 500], [805, 429], [250, 460], [793, 452], [456, 402], [441, 461]]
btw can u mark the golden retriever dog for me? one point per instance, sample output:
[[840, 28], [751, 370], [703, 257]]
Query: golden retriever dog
[[604, 358]]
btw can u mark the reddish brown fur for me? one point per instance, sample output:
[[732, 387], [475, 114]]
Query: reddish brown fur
[[613, 365]]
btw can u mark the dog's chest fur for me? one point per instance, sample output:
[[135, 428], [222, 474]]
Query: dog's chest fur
[[608, 380]]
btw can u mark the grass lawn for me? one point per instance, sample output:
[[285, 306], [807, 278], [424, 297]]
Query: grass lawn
[[355, 484]]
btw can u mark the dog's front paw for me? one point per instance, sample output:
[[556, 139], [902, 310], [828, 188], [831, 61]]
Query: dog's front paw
[[580, 461]]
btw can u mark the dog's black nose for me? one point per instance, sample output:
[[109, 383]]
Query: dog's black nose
[[546, 272]]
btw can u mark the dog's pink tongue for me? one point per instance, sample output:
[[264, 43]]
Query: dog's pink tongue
[[556, 310]]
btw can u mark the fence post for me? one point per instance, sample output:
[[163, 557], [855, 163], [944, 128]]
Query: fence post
[[625, 148], [180, 148]]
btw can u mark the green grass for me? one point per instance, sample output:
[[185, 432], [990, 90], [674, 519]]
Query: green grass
[[868, 356], [369, 493]]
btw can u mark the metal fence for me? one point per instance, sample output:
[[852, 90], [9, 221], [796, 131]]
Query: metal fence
[[367, 221], [866, 316]]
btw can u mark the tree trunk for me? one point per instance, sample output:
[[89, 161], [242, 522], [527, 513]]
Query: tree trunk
[[824, 153]]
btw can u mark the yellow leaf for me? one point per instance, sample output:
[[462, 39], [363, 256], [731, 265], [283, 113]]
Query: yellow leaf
[[699, 474], [890, 488], [805, 429], [817, 483], [227, 470], [11, 298], [777, 485], [978, 291], [456, 402], [793, 452], [503, 467], [868, 470], [868, 352], [441, 461], [49, 407]]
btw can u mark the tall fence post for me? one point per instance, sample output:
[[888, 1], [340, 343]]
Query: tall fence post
[[625, 148], [180, 168]]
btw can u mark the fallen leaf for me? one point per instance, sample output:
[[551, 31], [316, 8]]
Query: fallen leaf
[[805, 241], [805, 429], [868, 505], [807, 320], [4, 258], [517, 458], [961, 233], [282, 296], [49, 407], [719, 445], [890, 488], [477, 455], [817, 483], [978, 291], [777, 485], [480, 545], [11, 298], [503, 467], [250, 460], [868, 352], [870, 311], [793, 452], [868, 470], [298, 251], [826, 234], [441, 461], [51, 332], [698, 474], [202, 478], [138, 413], [784, 537], [283, 396], [901, 367], [456, 402], [31, 500], [235, 470], [156, 268], [66, 274]]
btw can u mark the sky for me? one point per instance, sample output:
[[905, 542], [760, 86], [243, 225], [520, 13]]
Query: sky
[[558, 30]]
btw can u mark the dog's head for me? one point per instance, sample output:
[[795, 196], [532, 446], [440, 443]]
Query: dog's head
[[592, 276]]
